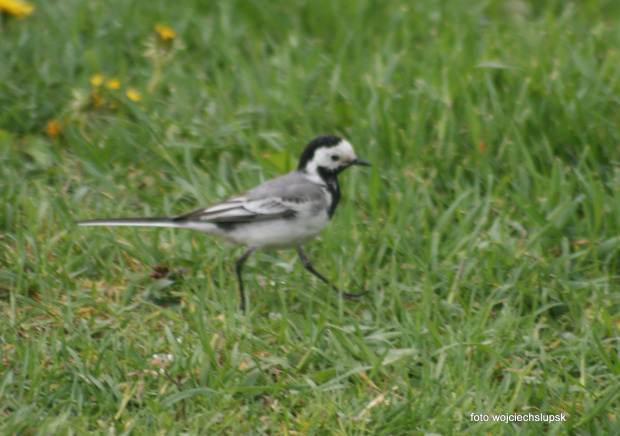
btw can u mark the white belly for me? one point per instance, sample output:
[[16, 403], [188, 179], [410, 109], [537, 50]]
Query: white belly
[[278, 233]]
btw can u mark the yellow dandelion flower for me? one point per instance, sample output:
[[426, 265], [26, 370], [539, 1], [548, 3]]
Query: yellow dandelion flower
[[134, 95], [113, 84], [96, 79], [165, 32], [16, 8], [52, 128]]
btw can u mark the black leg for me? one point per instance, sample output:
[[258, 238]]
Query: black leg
[[238, 265], [308, 265]]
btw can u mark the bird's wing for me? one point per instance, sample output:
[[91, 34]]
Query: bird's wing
[[283, 197]]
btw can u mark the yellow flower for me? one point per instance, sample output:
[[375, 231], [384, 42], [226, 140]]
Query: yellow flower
[[133, 95], [164, 32], [52, 128], [95, 80], [113, 84], [16, 8]]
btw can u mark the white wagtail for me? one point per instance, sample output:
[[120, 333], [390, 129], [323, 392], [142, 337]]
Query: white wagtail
[[284, 212]]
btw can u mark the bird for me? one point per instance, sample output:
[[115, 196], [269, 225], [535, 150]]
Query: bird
[[281, 213]]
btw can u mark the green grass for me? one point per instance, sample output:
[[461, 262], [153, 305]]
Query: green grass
[[487, 230]]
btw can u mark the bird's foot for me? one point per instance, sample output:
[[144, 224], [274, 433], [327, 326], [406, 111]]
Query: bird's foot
[[355, 297]]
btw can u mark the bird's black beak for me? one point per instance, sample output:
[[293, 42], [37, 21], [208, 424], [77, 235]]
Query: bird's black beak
[[360, 162]]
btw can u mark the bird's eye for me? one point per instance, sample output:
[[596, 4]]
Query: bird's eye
[[335, 157]]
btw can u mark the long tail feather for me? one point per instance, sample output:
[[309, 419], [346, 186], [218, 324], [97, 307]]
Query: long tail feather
[[148, 221]]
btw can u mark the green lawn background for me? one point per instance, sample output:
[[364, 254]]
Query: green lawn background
[[487, 229]]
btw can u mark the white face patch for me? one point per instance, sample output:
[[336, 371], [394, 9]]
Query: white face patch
[[332, 158]]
